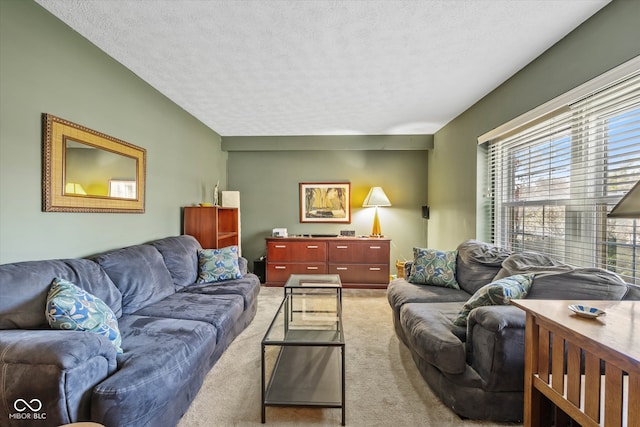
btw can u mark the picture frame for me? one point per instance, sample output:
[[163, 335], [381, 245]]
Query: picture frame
[[325, 202]]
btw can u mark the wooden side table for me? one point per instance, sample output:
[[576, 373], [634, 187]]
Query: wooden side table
[[555, 338]]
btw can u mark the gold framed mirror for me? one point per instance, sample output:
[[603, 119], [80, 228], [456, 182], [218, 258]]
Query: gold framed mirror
[[87, 171]]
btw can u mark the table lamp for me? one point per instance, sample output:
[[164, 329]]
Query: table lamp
[[629, 205], [375, 198]]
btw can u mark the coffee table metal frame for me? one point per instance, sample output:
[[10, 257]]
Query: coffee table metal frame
[[309, 369]]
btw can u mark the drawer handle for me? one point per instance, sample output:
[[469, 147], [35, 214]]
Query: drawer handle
[[374, 269], [342, 247], [341, 268], [312, 246], [280, 267], [312, 268], [280, 246], [375, 247]]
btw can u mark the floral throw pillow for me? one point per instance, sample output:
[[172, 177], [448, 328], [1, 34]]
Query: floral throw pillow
[[70, 307], [499, 292], [216, 265], [434, 267]]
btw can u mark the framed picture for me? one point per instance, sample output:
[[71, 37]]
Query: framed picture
[[325, 202]]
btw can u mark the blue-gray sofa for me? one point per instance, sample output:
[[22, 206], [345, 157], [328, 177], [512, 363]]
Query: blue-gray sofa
[[477, 370], [173, 331]]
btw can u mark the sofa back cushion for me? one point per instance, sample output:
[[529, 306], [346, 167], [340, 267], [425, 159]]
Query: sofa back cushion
[[140, 273], [477, 264], [180, 254], [556, 280], [581, 284], [24, 287], [634, 292]]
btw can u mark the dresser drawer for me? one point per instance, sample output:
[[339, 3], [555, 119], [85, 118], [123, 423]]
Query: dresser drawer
[[360, 273], [298, 251], [280, 271], [376, 252]]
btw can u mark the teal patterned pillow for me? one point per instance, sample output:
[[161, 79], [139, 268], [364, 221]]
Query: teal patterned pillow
[[434, 267], [215, 265], [72, 308], [499, 292]]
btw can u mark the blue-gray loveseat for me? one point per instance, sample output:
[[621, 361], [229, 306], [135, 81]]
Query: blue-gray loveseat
[[173, 330], [477, 367]]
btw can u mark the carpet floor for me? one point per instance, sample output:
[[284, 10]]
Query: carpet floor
[[383, 386]]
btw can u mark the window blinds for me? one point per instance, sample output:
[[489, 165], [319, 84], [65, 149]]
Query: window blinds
[[554, 181]]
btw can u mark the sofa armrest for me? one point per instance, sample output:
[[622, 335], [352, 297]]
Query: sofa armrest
[[243, 265], [54, 371], [495, 346]]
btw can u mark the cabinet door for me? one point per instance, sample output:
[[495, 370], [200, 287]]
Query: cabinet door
[[375, 252], [304, 251]]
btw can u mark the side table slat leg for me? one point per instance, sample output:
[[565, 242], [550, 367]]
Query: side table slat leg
[[612, 396]]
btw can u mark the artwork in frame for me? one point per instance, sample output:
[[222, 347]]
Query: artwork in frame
[[325, 202]]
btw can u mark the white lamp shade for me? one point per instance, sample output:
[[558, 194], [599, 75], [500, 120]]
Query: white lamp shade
[[629, 206], [376, 197], [73, 188]]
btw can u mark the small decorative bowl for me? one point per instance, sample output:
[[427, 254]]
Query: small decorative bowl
[[586, 311]]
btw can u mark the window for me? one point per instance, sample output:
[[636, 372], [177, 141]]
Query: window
[[554, 180]]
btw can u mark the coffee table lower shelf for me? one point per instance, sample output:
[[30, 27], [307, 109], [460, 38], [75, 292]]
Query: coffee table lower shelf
[[309, 376]]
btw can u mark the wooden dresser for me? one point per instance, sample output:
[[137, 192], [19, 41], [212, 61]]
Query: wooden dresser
[[361, 262]]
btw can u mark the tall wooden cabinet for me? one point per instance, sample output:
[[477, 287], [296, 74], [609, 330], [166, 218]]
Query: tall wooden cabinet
[[360, 262], [213, 226]]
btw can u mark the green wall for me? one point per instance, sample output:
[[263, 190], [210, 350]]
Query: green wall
[[608, 39], [269, 192], [45, 67]]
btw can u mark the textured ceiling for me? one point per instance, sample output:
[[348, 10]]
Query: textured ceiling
[[319, 67]]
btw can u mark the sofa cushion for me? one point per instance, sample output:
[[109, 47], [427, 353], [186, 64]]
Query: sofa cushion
[[180, 254], [434, 267], [24, 287], [633, 292], [581, 283], [221, 311], [556, 280], [140, 274], [478, 263], [71, 308], [163, 360], [248, 287], [430, 332], [499, 292], [531, 262], [400, 292], [216, 265]]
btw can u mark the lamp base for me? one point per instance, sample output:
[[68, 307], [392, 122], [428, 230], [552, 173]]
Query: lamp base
[[376, 231]]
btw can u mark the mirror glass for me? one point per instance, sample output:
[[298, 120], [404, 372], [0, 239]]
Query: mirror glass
[[92, 171], [87, 171]]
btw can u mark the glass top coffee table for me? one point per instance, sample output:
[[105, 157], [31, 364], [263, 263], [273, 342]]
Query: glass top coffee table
[[303, 348]]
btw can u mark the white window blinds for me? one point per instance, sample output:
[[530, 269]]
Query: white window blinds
[[554, 181]]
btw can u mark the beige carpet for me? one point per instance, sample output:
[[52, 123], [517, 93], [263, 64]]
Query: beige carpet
[[383, 386]]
